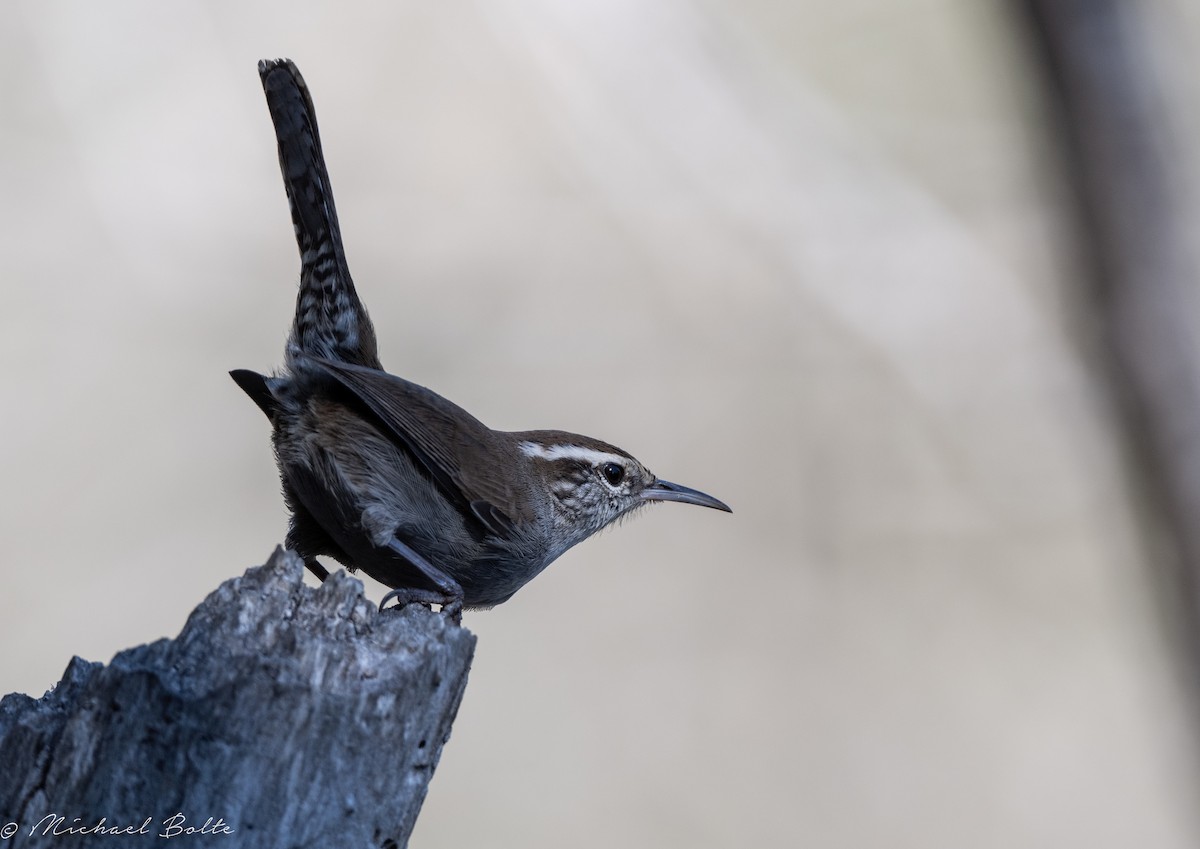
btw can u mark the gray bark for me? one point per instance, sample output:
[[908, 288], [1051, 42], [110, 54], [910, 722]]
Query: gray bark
[[296, 716]]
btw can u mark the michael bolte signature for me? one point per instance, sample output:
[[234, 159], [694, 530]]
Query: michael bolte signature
[[57, 825]]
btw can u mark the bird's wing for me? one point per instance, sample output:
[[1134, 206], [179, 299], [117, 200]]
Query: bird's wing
[[461, 453]]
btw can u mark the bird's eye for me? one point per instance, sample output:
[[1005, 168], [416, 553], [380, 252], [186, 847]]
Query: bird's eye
[[613, 473]]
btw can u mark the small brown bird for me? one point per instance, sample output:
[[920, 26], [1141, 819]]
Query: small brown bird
[[389, 477]]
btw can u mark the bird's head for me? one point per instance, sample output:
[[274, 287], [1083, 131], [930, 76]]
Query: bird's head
[[591, 484]]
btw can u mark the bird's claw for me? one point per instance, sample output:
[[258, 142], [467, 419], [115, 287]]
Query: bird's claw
[[452, 606]]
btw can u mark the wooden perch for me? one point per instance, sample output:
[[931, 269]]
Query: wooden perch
[[293, 716]]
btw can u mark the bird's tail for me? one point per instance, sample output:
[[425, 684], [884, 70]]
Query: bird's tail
[[331, 321]]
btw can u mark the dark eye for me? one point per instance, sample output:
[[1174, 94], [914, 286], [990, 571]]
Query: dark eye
[[613, 473]]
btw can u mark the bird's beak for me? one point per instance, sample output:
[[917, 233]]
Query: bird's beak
[[667, 491]]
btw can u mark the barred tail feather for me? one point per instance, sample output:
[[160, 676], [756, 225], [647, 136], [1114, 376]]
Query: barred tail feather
[[331, 321]]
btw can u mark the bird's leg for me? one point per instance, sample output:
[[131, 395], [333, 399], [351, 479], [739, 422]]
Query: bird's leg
[[316, 568], [449, 593]]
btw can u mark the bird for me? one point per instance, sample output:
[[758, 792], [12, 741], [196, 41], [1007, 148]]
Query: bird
[[385, 476]]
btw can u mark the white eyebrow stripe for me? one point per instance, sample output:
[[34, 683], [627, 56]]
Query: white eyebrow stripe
[[571, 452]]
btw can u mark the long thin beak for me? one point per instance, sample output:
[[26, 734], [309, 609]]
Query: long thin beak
[[667, 491]]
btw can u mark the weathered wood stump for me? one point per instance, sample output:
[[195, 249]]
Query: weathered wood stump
[[281, 716]]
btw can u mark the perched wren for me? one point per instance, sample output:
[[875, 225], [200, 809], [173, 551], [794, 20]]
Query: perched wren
[[389, 477]]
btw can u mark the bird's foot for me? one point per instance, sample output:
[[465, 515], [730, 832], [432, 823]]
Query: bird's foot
[[451, 605], [452, 610]]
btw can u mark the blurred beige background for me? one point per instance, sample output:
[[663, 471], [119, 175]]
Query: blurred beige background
[[805, 256]]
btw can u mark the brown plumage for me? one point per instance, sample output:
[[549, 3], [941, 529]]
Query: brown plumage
[[389, 477]]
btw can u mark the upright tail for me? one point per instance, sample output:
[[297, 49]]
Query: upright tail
[[331, 321]]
